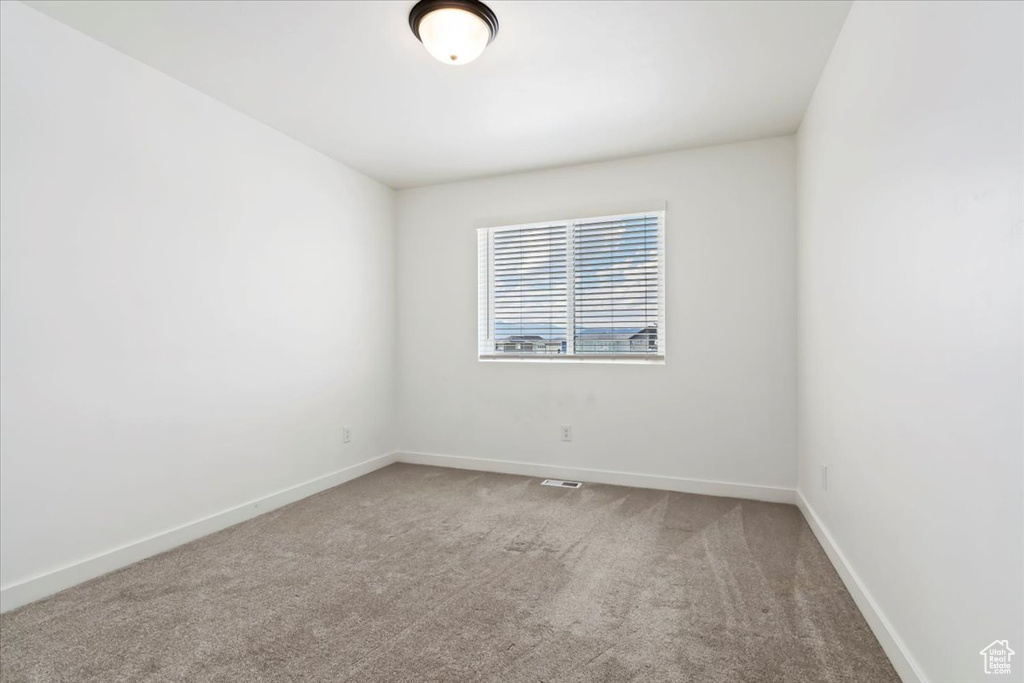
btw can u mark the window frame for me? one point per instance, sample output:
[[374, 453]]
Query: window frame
[[485, 295]]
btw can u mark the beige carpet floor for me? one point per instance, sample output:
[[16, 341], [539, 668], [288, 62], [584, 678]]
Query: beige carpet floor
[[427, 574]]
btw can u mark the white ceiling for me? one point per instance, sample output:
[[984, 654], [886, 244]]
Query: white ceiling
[[563, 83]]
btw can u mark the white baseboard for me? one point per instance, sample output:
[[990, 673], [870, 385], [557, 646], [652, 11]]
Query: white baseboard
[[908, 669], [29, 590], [770, 494]]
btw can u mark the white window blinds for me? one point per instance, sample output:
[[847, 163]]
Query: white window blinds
[[582, 288]]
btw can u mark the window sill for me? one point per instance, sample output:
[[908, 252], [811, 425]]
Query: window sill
[[558, 358]]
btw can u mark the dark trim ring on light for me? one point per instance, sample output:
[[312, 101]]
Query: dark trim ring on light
[[425, 7]]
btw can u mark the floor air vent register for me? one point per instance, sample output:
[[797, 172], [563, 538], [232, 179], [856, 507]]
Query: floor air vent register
[[562, 484]]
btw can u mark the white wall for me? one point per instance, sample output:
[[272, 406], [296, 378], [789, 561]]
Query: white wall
[[723, 406], [192, 303], [910, 186]]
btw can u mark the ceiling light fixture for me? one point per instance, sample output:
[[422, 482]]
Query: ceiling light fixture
[[453, 31]]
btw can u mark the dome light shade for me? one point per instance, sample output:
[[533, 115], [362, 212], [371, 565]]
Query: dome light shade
[[453, 31]]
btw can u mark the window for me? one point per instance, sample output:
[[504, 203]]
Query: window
[[584, 288]]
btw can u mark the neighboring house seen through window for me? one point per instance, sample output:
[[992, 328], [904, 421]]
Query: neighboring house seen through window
[[583, 288]]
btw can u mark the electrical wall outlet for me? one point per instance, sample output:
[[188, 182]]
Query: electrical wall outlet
[[346, 434], [566, 432], [824, 477]]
